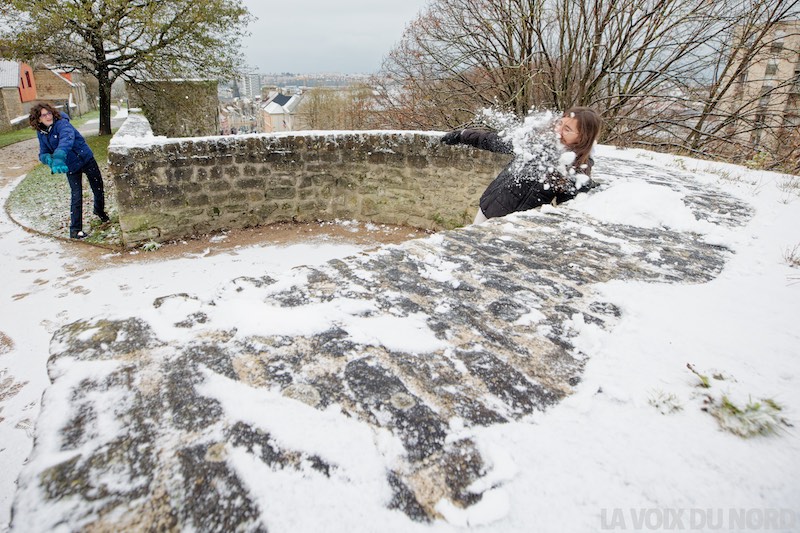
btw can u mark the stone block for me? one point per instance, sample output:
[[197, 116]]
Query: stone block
[[199, 199], [192, 187], [237, 196], [279, 193], [218, 186], [251, 183]]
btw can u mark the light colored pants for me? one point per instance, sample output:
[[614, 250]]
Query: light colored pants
[[479, 217]]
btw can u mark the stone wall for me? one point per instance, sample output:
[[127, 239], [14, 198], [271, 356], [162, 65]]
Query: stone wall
[[179, 108], [13, 107], [173, 188], [5, 118]]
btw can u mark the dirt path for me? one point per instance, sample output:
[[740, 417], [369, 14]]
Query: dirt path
[[18, 159]]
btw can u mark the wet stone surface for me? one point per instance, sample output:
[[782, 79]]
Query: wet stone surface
[[147, 443]]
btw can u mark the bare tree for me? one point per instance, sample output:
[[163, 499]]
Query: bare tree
[[459, 54], [660, 71], [319, 108], [723, 92], [522, 53], [360, 107], [327, 108]]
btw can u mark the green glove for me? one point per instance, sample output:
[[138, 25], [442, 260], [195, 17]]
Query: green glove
[[47, 159], [59, 168], [59, 163]]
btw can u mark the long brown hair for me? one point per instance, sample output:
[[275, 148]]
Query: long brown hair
[[33, 118], [589, 124]]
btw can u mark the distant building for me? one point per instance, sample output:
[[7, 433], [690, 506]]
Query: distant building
[[766, 98], [250, 86], [225, 92], [279, 113], [17, 94], [239, 116], [64, 89]]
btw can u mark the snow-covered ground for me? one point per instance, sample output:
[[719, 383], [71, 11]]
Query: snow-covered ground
[[631, 449]]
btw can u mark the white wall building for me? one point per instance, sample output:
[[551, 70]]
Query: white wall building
[[279, 113], [250, 86]]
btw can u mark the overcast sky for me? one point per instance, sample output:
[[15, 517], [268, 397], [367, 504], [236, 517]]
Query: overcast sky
[[310, 36]]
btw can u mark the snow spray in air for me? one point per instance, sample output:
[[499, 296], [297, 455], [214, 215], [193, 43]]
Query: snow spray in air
[[536, 145]]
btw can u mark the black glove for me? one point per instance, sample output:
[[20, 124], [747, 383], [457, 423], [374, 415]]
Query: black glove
[[453, 137]]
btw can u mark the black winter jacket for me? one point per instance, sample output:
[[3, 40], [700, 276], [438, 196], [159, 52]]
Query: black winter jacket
[[521, 186]]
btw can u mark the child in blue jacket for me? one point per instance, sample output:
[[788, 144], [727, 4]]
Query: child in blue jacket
[[64, 150]]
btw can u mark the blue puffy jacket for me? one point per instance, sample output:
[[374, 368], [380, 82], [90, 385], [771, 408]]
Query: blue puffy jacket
[[63, 136]]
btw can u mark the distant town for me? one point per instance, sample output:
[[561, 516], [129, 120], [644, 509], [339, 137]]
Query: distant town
[[265, 103], [250, 85]]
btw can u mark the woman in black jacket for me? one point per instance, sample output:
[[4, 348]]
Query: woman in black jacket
[[552, 174]]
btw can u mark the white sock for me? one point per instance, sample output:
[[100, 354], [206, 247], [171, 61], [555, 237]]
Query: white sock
[[479, 217]]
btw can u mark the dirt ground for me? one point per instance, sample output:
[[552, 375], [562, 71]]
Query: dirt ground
[[19, 158], [346, 232]]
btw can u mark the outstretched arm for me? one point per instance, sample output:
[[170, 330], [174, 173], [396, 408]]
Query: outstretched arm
[[485, 140]]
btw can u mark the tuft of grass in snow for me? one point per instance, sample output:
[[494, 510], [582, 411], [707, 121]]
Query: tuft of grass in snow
[[762, 417], [151, 246], [724, 175], [790, 186], [6, 344], [704, 381], [792, 256], [679, 163], [666, 402], [105, 233]]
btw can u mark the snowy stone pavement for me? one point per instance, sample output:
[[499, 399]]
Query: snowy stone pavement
[[353, 381]]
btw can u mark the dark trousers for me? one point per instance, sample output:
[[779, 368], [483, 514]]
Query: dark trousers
[[92, 172]]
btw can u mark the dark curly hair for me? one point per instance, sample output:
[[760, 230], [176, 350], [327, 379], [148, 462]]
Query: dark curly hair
[[33, 118]]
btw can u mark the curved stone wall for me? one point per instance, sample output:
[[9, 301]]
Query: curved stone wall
[[173, 188]]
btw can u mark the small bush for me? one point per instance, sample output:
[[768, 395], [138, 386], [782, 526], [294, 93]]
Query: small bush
[[762, 417], [759, 161]]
